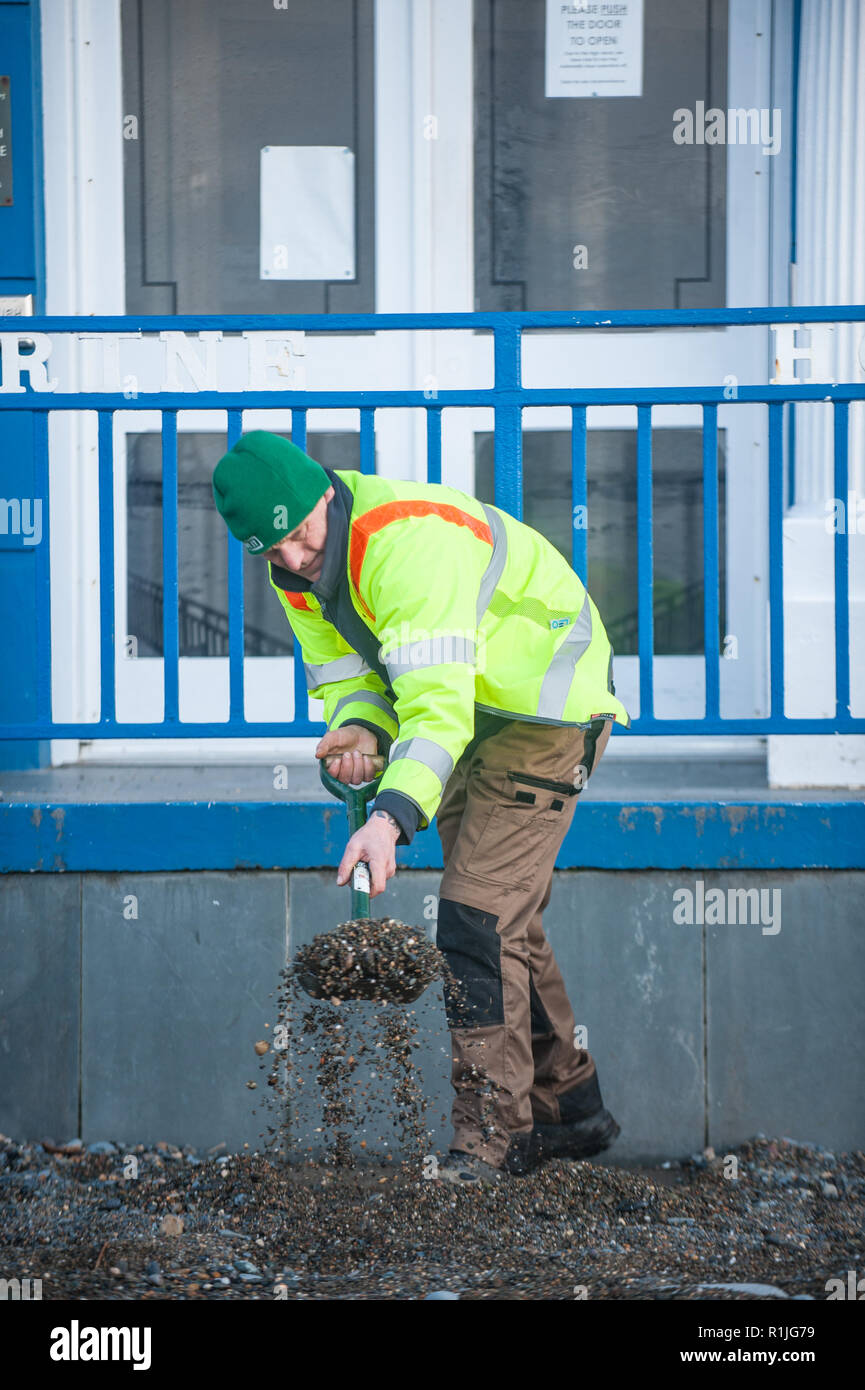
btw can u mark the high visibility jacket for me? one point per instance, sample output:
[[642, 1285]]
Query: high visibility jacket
[[448, 605]]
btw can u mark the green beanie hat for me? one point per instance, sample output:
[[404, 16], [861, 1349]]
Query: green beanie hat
[[264, 487]]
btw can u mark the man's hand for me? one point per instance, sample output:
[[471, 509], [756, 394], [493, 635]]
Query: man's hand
[[349, 753], [375, 843]]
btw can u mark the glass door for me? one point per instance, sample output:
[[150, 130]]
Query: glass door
[[263, 170], [592, 201]]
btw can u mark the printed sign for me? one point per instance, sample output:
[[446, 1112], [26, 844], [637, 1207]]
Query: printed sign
[[594, 48]]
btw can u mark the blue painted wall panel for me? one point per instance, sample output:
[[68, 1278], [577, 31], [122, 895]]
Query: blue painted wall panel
[[154, 836], [18, 593], [21, 272]]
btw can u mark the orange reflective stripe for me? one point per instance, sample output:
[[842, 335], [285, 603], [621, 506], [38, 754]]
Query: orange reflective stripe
[[297, 600], [365, 526]]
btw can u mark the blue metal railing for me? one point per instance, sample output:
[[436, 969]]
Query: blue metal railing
[[507, 398]]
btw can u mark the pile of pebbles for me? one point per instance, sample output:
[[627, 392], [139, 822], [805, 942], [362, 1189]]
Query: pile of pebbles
[[215, 1226], [368, 958]]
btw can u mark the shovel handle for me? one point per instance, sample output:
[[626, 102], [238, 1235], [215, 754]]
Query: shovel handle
[[355, 799]]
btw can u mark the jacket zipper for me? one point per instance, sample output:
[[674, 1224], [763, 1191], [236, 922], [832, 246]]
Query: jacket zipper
[[563, 788]]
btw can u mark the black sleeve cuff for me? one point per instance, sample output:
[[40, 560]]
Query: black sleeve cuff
[[404, 811], [384, 738]]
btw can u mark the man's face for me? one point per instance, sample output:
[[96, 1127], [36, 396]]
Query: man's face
[[302, 550]]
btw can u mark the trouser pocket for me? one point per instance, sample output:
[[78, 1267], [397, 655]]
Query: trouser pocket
[[521, 832], [562, 788]]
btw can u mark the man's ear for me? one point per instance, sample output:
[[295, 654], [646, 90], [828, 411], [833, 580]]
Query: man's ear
[[329, 493]]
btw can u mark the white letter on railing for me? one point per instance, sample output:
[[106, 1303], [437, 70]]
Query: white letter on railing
[[14, 362], [179, 349], [786, 354], [289, 347], [109, 344]]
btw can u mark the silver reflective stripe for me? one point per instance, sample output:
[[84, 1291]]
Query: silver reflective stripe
[[423, 750], [430, 651], [496, 567], [560, 672], [365, 697], [343, 669]]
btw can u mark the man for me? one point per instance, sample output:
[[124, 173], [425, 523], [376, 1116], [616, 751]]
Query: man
[[459, 642]]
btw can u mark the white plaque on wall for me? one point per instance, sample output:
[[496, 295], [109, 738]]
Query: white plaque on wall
[[307, 213], [594, 48]]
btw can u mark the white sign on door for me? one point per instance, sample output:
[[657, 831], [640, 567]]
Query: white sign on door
[[307, 212], [594, 48]]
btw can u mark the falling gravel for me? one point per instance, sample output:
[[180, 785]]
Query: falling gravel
[[337, 1048]]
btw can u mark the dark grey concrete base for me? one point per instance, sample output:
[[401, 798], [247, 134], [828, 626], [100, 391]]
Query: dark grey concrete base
[[40, 1004], [173, 1001], [129, 1004]]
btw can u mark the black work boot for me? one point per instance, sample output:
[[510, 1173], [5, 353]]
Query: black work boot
[[466, 1170], [586, 1127], [463, 1168], [521, 1156]]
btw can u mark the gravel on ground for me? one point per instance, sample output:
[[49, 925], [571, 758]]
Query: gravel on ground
[[771, 1219]]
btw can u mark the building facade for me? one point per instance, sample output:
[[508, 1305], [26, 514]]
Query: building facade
[[631, 235]]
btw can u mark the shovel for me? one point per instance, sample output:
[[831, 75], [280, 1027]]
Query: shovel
[[366, 980]]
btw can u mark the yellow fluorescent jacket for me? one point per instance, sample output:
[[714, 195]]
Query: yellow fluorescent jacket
[[471, 609]]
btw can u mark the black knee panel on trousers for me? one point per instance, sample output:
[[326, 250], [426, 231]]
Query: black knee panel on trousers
[[541, 1024], [582, 1102], [467, 938]]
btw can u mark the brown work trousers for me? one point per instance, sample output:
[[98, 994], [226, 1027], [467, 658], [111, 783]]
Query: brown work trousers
[[505, 811]]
